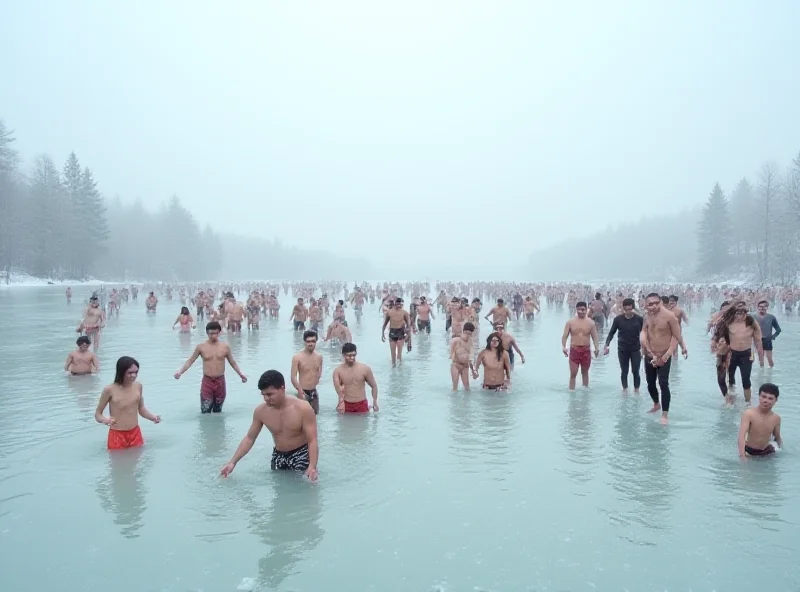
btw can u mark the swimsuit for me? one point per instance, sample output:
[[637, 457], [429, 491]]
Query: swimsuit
[[494, 387], [759, 451], [397, 334], [313, 399], [212, 393], [119, 439], [290, 460], [580, 356], [361, 407], [299, 325]]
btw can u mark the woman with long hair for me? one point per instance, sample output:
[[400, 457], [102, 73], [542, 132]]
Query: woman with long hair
[[496, 365], [126, 403], [736, 330], [185, 320]]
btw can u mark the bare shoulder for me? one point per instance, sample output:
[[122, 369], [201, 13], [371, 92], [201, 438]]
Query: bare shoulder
[[301, 405], [261, 412]]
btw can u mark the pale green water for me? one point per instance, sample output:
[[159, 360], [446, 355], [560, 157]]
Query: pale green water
[[538, 490]]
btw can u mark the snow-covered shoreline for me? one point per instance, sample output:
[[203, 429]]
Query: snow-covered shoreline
[[23, 280]]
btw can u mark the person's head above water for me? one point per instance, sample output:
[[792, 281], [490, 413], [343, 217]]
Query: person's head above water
[[310, 339], [653, 303], [349, 352], [213, 329], [127, 371], [580, 308], [184, 310], [83, 342], [768, 396], [273, 388]]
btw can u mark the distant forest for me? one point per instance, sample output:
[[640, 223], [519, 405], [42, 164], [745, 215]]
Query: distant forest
[[753, 233], [657, 248], [56, 223]]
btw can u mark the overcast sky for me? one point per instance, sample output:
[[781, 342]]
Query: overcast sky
[[415, 128]]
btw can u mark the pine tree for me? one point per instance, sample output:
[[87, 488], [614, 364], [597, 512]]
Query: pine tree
[[10, 206], [743, 209], [95, 219], [77, 216], [715, 235], [44, 220]]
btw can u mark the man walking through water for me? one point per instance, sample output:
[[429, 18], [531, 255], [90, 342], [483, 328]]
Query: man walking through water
[[214, 353], [399, 322], [293, 426], [350, 379], [94, 319], [307, 371], [629, 348], [579, 330], [767, 322], [660, 336]]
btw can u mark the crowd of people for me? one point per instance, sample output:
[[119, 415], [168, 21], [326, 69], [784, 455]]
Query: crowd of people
[[648, 335]]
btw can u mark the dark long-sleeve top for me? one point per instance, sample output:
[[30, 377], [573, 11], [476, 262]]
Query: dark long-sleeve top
[[629, 330]]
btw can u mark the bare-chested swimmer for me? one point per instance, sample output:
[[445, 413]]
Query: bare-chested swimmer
[[350, 379], [214, 353], [125, 401], [293, 426], [307, 371], [760, 425], [94, 319], [579, 330], [299, 315], [82, 361], [509, 344], [338, 332], [461, 357], [496, 365], [399, 323]]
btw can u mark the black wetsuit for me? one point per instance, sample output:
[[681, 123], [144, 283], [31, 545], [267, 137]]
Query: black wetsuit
[[629, 349]]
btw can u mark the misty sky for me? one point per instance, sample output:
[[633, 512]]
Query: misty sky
[[442, 120]]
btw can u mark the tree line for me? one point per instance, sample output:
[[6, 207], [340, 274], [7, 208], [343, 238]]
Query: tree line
[[55, 223], [755, 230]]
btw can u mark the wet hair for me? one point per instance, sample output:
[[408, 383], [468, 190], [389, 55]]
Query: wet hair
[[769, 388], [652, 295], [341, 302], [271, 379], [500, 301], [468, 327], [726, 303], [495, 335], [629, 302], [673, 297], [349, 348], [185, 310], [83, 340], [665, 299], [309, 334], [581, 304], [213, 326], [597, 295], [123, 365], [723, 325], [760, 302]]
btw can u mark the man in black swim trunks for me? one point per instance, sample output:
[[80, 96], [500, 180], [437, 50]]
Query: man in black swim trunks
[[293, 426], [307, 371], [399, 322]]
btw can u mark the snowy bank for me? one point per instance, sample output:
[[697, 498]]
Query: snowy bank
[[23, 280]]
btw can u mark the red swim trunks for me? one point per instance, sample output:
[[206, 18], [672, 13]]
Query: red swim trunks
[[119, 439], [212, 393], [580, 355], [360, 407]]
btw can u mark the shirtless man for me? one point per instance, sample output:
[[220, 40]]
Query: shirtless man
[[315, 315], [214, 353], [151, 302], [299, 315], [350, 379], [660, 335], [459, 313], [743, 331], [599, 311], [125, 402], [496, 365], [760, 425], [500, 314], [236, 315], [338, 331], [293, 426], [307, 371], [399, 322], [461, 357], [679, 313], [69, 295], [424, 315], [82, 361], [509, 344], [94, 319], [579, 330]]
